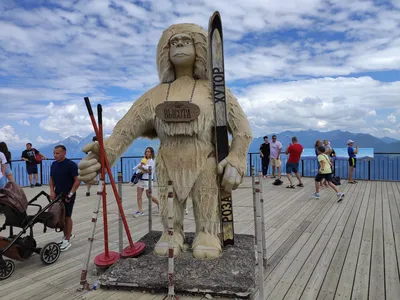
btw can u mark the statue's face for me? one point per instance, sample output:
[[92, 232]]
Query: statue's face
[[182, 52]]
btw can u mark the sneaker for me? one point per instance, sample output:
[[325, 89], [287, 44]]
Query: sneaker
[[315, 196], [138, 214], [32, 185], [38, 184], [339, 197], [72, 236], [65, 245], [186, 211], [87, 194]]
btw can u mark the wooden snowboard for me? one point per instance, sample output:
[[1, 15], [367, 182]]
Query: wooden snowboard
[[217, 77]]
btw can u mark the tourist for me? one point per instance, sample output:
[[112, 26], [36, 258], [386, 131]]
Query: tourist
[[352, 159], [318, 144], [143, 183], [294, 151], [64, 179], [325, 172], [265, 153], [7, 154], [29, 156], [275, 155], [3, 163]]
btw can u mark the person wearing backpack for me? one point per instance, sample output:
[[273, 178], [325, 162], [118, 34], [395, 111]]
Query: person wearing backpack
[[325, 172], [32, 157], [64, 179]]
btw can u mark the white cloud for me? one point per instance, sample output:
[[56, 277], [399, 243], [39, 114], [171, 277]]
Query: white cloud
[[43, 141], [24, 122], [8, 135], [327, 103], [79, 48]]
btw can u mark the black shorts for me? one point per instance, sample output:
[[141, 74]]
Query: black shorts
[[292, 167], [32, 169], [352, 162], [69, 206], [320, 177]]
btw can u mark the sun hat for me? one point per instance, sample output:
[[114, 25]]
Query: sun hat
[[350, 142]]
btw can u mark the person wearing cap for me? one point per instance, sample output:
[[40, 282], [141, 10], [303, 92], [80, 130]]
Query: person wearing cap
[[352, 159], [325, 172]]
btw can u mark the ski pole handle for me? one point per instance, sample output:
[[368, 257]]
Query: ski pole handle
[[88, 106], [99, 114]]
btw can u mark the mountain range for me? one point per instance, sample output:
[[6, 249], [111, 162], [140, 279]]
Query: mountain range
[[307, 138]]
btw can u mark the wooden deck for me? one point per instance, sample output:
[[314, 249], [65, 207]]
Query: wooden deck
[[317, 249]]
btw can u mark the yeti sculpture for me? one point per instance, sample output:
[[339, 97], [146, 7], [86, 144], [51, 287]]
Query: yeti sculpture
[[187, 152]]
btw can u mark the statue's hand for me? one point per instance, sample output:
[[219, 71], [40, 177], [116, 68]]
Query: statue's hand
[[232, 178], [89, 166]]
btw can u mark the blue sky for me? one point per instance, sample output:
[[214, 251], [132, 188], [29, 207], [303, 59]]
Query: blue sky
[[295, 64]]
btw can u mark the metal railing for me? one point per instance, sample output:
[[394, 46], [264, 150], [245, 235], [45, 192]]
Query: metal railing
[[384, 166]]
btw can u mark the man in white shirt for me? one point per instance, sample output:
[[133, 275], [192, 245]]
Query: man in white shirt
[[3, 162], [275, 156]]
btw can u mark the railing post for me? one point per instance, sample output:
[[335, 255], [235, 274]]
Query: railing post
[[250, 161], [302, 168], [41, 172], [369, 170], [122, 171]]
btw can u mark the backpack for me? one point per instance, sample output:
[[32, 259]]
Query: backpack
[[336, 180], [136, 177], [38, 158], [57, 220], [333, 153]]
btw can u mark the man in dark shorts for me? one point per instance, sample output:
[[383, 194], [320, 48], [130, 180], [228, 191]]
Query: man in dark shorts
[[325, 172], [64, 179], [28, 155], [265, 153], [294, 151]]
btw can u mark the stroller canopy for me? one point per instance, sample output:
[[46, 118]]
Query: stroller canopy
[[13, 196]]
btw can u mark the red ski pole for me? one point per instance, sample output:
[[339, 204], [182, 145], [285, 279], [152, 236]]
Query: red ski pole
[[133, 249], [107, 258]]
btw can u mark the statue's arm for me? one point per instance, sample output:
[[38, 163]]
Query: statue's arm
[[138, 121], [239, 127]]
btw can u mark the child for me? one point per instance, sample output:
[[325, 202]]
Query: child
[[138, 173], [325, 172]]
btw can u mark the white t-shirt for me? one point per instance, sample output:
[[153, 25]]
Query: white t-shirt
[[3, 161], [274, 148], [150, 162]]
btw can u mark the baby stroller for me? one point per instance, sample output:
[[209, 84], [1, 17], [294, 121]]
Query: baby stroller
[[14, 205]]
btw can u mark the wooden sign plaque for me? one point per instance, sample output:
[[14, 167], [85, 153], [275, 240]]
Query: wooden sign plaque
[[177, 111]]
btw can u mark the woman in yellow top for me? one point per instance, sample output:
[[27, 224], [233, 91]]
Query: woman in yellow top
[[325, 172]]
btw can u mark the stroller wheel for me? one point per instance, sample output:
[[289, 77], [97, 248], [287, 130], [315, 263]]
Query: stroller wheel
[[7, 270], [50, 253]]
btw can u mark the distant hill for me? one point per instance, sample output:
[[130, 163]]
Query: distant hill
[[74, 145], [337, 138], [307, 138]]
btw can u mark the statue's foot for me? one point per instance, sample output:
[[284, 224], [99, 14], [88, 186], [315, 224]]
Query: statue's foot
[[206, 245], [161, 248]]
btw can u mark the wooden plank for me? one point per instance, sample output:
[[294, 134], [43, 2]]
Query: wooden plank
[[304, 271], [279, 281], [316, 279], [394, 193], [377, 273], [392, 280], [329, 285], [361, 280], [345, 286]]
